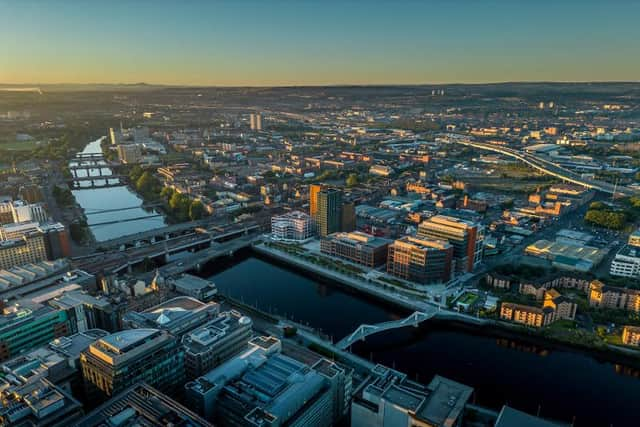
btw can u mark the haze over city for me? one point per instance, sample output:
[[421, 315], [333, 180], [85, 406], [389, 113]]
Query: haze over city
[[275, 43]]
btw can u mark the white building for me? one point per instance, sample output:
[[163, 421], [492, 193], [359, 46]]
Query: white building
[[293, 225], [626, 263], [24, 212]]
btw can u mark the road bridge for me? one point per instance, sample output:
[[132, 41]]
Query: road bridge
[[89, 211], [549, 168], [365, 330]]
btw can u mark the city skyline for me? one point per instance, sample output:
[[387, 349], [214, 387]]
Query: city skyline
[[299, 44]]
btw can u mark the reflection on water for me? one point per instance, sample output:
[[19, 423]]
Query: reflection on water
[[522, 346], [102, 205]]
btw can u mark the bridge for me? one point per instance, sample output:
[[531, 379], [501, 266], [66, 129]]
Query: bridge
[[549, 168], [89, 211], [365, 330], [89, 156], [118, 221]]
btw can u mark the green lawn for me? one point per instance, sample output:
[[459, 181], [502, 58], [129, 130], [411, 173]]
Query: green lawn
[[18, 145], [468, 298]]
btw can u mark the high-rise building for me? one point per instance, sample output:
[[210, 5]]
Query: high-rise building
[[215, 342], [130, 153], [314, 190], [115, 136], [356, 247], [31, 248], [348, 216], [116, 362], [25, 326], [142, 405], [420, 260], [57, 240], [466, 237], [263, 386], [293, 225], [255, 120], [329, 212]]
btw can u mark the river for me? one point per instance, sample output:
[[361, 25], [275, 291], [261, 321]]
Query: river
[[561, 382], [95, 200]]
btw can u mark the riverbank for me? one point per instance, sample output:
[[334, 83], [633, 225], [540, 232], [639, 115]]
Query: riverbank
[[610, 352]]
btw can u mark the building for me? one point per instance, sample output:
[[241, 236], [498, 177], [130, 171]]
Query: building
[[381, 170], [626, 262], [28, 325], [22, 211], [31, 248], [567, 256], [611, 297], [142, 405], [129, 153], [177, 316], [563, 307], [356, 247], [116, 362], [329, 211], [195, 287], [389, 399], [634, 238], [420, 260], [526, 315], [263, 386], [18, 230], [115, 136], [37, 403], [215, 342], [87, 311], [57, 240], [314, 190], [58, 362], [255, 121], [348, 222], [466, 237], [293, 225], [631, 335]]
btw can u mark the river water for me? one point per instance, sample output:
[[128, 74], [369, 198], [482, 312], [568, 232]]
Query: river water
[[96, 200], [561, 382]]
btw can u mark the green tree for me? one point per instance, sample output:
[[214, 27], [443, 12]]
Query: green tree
[[196, 210], [352, 180], [179, 205], [147, 185]]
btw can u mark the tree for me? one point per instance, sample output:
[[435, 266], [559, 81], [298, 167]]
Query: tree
[[196, 210], [179, 205], [147, 185], [352, 180]]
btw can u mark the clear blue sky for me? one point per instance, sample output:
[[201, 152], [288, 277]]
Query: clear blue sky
[[273, 42]]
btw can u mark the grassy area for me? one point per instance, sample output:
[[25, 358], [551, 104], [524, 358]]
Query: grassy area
[[468, 298], [19, 145]]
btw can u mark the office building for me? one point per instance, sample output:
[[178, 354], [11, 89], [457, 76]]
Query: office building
[[255, 121], [28, 212], [29, 325], [615, 298], [58, 362], [116, 362], [389, 399], [88, 311], [57, 240], [348, 222], [37, 403], [466, 238], [293, 225], [356, 247], [142, 405], [195, 287], [263, 386], [626, 262], [215, 342], [129, 153], [314, 190], [420, 260], [6, 211], [177, 315], [31, 248], [18, 230], [329, 211]]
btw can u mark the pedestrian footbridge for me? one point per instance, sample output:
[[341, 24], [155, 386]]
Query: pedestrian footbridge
[[365, 330]]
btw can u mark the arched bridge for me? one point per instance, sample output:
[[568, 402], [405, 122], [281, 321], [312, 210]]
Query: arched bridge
[[364, 331]]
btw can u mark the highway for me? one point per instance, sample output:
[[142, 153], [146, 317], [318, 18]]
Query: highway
[[549, 168]]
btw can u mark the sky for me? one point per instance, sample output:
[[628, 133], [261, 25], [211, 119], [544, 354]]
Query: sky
[[303, 42]]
